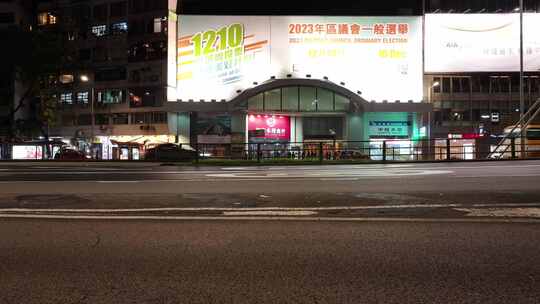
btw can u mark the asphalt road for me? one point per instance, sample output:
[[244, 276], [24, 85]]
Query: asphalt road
[[402, 178], [57, 185], [268, 262], [402, 233]]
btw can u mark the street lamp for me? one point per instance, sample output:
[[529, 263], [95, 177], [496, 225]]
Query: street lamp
[[85, 78]]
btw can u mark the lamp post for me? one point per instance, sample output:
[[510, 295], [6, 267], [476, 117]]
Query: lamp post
[[435, 84], [84, 78], [521, 82]]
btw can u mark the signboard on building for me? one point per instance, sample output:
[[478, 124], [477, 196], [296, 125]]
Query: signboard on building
[[389, 128], [275, 127], [220, 55], [480, 42]]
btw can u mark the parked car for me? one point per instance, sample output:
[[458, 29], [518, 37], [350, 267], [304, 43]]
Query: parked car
[[69, 154], [169, 152]]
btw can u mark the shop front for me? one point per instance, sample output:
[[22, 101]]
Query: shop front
[[301, 117], [394, 133]]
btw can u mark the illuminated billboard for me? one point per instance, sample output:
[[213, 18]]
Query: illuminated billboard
[[271, 126], [480, 42], [218, 56]]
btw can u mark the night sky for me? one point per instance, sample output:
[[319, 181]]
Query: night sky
[[302, 7]]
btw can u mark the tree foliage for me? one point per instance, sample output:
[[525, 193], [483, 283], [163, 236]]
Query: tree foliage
[[32, 57]]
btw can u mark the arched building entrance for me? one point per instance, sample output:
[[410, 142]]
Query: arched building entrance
[[302, 109], [296, 110]]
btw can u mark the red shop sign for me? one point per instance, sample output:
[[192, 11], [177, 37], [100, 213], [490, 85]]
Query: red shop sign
[[274, 126]]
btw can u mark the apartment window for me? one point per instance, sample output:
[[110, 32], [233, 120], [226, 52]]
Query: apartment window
[[100, 54], [120, 118], [100, 12], [117, 53], [68, 120], [535, 84], [102, 119], [149, 118], [99, 30], [46, 18], [82, 97], [143, 97], [66, 78], [139, 6], [141, 118], [84, 120], [446, 85], [159, 117], [119, 28], [7, 18], [147, 51], [160, 25], [110, 74], [118, 9], [84, 54], [66, 98], [110, 96], [456, 85], [43, 18]]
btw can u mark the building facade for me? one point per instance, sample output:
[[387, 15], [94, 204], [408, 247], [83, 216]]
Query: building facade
[[143, 75], [111, 96]]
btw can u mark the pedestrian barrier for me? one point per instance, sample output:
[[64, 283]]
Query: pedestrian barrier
[[382, 150]]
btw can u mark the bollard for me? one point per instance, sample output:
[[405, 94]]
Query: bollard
[[512, 147], [197, 153], [258, 152], [384, 151], [448, 149], [321, 156]]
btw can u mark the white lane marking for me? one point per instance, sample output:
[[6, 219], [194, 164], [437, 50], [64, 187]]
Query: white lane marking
[[501, 212], [118, 182], [98, 172], [191, 180], [274, 218], [223, 209], [269, 213], [502, 175], [335, 174], [340, 179]]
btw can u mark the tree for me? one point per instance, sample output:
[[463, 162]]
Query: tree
[[31, 56]]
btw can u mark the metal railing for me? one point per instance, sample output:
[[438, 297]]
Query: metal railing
[[390, 150], [379, 150]]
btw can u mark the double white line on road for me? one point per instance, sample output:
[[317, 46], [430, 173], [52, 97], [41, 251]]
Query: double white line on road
[[254, 209], [527, 210]]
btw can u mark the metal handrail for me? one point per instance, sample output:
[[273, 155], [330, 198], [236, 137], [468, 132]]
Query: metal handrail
[[520, 124]]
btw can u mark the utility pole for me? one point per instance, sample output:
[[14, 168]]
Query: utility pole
[[521, 82]]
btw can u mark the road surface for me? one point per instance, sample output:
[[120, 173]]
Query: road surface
[[402, 233], [268, 262], [119, 186]]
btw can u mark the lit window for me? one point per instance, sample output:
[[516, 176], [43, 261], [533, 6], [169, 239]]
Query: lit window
[[82, 97], [119, 28], [46, 18], [99, 30], [43, 18], [66, 78], [66, 98], [110, 96], [160, 24]]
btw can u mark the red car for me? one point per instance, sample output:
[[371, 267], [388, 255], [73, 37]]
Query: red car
[[68, 154]]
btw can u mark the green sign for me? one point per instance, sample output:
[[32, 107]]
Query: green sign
[[388, 128]]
